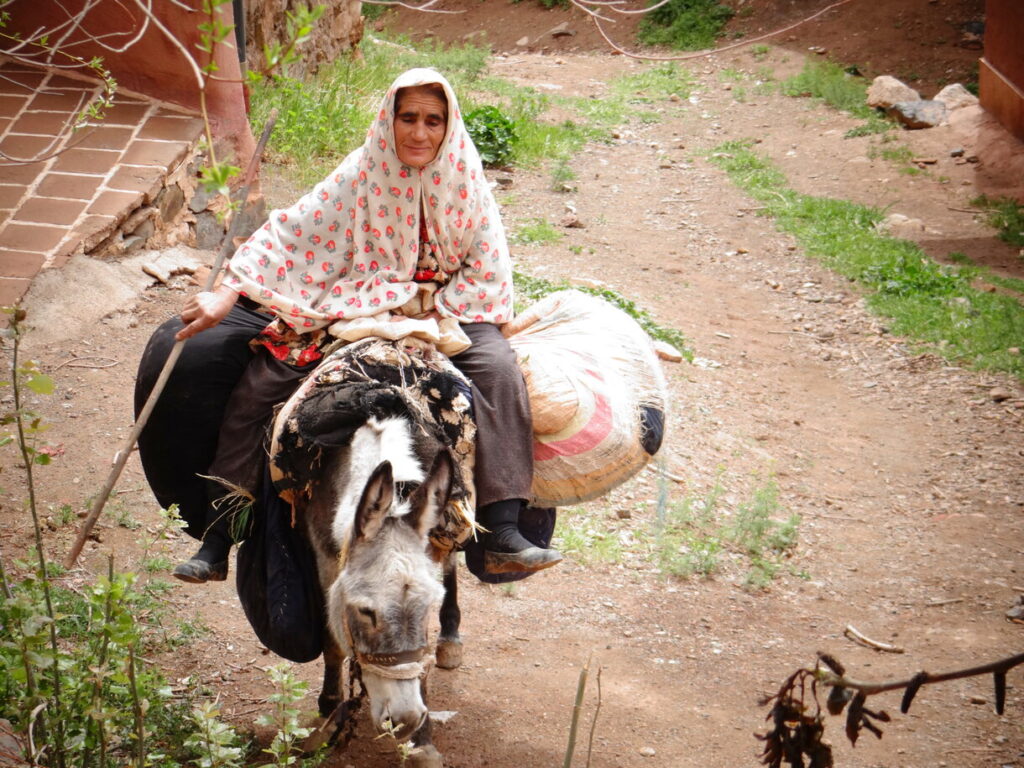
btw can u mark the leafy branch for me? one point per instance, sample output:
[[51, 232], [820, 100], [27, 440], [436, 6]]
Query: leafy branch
[[799, 723]]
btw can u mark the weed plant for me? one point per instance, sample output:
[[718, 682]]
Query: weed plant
[[936, 305], [535, 288], [588, 539], [835, 86], [686, 25], [536, 231], [696, 535], [1004, 214]]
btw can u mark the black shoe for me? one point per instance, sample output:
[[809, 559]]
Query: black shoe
[[196, 571], [506, 550]]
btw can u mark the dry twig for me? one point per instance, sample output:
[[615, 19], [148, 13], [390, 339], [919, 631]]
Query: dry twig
[[854, 634]]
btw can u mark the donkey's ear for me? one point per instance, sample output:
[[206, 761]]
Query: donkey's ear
[[375, 502], [429, 499]]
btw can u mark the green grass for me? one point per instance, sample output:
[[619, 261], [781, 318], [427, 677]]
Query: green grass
[[534, 288], [536, 231], [586, 538], [899, 155], [685, 24], [932, 304], [1004, 214], [832, 84], [697, 536]]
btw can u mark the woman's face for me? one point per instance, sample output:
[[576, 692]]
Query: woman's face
[[421, 121]]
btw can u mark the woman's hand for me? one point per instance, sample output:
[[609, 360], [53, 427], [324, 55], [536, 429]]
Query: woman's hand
[[205, 310]]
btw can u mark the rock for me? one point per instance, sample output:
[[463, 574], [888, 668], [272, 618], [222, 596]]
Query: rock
[[522, 42], [170, 202], [505, 182], [886, 91], [923, 113], [209, 231], [898, 225], [624, 514], [667, 352], [571, 221], [562, 30], [999, 395], [958, 152], [199, 200], [955, 96], [647, 752]]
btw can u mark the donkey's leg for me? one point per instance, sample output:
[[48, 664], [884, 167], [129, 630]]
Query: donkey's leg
[[424, 754], [449, 644], [330, 694]]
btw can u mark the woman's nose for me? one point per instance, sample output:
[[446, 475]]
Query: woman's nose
[[419, 131]]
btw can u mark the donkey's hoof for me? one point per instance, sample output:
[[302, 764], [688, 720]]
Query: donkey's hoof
[[449, 654], [425, 756]]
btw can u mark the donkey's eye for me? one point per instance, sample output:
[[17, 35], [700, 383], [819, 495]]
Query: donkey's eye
[[369, 615]]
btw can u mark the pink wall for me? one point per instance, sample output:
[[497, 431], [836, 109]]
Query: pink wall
[[154, 65]]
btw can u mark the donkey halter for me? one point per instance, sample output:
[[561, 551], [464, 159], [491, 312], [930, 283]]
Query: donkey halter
[[403, 665]]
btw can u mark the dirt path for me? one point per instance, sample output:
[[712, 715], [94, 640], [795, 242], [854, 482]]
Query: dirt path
[[905, 472]]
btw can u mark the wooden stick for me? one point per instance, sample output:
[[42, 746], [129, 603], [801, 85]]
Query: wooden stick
[[852, 633], [121, 457]]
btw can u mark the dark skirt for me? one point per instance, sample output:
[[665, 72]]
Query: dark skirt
[[212, 417]]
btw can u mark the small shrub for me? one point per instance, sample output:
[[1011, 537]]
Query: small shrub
[[1006, 215], [493, 134], [685, 24]]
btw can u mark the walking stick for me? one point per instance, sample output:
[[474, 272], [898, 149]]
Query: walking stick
[[121, 457]]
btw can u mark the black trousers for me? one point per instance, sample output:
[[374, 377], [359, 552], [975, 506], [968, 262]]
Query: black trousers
[[211, 418]]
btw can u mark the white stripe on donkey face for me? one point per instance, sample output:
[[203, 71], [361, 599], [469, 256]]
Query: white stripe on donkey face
[[387, 588]]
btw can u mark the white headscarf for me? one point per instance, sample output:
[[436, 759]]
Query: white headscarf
[[349, 248]]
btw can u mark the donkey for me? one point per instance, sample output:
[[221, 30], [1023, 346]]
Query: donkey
[[367, 516]]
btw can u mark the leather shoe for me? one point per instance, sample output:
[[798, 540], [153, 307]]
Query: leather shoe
[[196, 571], [526, 560]]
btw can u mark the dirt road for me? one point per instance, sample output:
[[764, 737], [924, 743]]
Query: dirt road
[[906, 472]]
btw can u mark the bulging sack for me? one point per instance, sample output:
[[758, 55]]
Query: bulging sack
[[597, 395]]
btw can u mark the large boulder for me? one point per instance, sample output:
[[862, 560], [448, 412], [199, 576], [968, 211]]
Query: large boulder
[[885, 91], [923, 113], [955, 96]]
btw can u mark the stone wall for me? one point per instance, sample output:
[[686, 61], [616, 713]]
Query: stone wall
[[339, 30]]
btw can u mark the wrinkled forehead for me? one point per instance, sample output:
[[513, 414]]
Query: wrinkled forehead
[[432, 94]]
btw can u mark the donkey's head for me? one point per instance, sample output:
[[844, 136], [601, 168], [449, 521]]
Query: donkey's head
[[380, 605]]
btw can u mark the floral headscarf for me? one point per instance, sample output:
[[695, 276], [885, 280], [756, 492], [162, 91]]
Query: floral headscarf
[[349, 248]]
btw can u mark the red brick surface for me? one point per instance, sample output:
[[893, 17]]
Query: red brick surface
[[10, 195], [28, 147], [125, 114], [19, 263], [69, 185], [37, 123], [147, 180], [10, 104], [20, 174], [177, 128], [68, 102], [12, 289], [29, 237], [46, 210], [103, 137], [71, 83], [159, 153], [95, 161], [93, 230], [112, 203]]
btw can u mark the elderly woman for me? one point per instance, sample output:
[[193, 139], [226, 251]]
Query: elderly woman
[[405, 226]]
